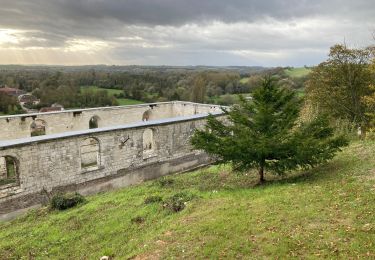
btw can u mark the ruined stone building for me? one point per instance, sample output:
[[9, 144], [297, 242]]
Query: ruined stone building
[[91, 150]]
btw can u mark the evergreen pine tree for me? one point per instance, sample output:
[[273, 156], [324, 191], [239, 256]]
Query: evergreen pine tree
[[265, 133]]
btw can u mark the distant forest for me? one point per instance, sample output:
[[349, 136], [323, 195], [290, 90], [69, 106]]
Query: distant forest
[[65, 84]]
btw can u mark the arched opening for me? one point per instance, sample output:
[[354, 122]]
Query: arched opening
[[148, 141], [90, 153], [38, 127], [94, 122], [146, 115], [8, 171]]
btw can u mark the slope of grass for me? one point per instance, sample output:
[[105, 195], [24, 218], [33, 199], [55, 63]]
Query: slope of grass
[[297, 72], [112, 92], [327, 212]]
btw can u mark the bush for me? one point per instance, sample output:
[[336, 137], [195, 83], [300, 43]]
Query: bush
[[163, 182], [138, 220], [62, 201], [153, 199], [178, 201]]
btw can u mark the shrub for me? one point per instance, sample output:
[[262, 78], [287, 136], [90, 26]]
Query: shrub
[[163, 182], [178, 201], [138, 220], [153, 199], [62, 201]]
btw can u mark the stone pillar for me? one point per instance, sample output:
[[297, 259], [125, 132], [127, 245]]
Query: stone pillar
[[3, 168]]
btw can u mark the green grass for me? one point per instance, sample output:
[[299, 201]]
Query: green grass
[[127, 101], [112, 92], [297, 72], [244, 80], [301, 92], [327, 212], [222, 98]]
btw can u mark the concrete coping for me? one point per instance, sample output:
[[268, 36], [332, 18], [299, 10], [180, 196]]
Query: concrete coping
[[142, 124], [110, 107]]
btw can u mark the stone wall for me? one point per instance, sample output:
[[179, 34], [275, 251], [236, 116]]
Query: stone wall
[[21, 126], [47, 164]]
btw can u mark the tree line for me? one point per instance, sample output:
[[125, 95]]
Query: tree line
[[343, 87], [52, 85]]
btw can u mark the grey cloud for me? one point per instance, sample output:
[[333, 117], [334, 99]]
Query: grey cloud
[[66, 17], [169, 31]]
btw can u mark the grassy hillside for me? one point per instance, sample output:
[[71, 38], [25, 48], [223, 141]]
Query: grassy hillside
[[326, 212], [112, 92], [297, 72]]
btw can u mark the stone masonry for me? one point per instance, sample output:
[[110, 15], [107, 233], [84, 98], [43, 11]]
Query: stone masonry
[[123, 150], [20, 126]]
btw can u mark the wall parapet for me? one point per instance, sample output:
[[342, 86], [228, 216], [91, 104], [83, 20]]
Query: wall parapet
[[27, 125], [110, 108], [156, 122]]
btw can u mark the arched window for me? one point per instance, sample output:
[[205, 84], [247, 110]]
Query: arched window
[[94, 122], [90, 153], [148, 141], [38, 127], [8, 171]]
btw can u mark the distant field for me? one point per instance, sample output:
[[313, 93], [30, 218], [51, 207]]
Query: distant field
[[297, 72], [127, 101], [95, 88], [244, 80], [112, 92], [223, 99]]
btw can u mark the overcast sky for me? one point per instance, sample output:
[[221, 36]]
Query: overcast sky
[[181, 32]]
